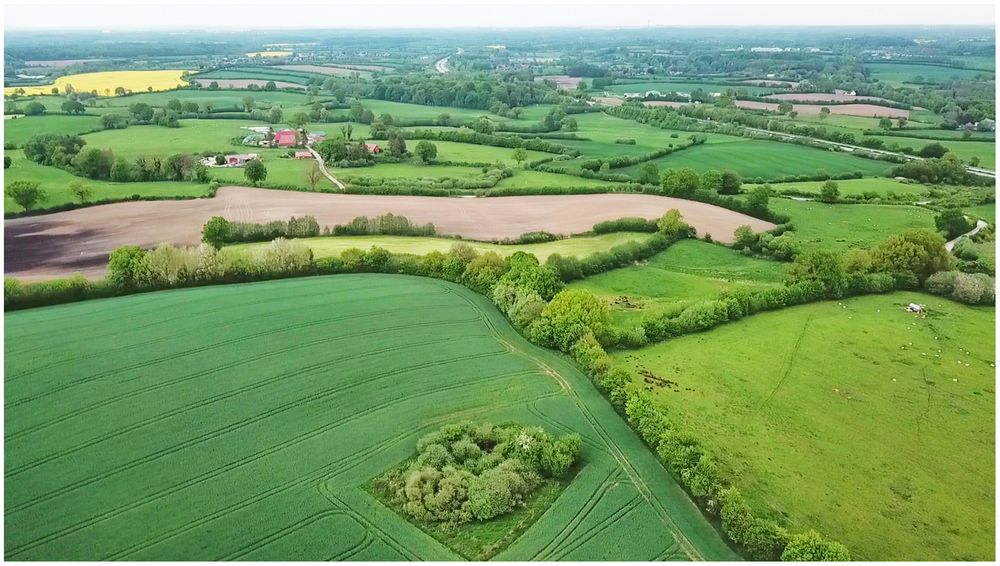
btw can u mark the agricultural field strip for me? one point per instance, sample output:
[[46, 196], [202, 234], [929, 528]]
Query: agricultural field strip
[[617, 454]]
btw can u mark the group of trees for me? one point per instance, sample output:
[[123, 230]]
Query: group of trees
[[219, 231], [480, 92], [947, 170], [341, 152], [468, 472]]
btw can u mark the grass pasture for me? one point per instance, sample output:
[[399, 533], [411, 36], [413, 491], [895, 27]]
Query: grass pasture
[[965, 150], [846, 226], [55, 182], [900, 73], [251, 428], [767, 159], [17, 130], [688, 87], [684, 273], [106, 82], [855, 187], [850, 417]]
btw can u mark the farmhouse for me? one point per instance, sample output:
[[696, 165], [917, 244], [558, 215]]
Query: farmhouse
[[286, 138], [240, 159], [373, 148]]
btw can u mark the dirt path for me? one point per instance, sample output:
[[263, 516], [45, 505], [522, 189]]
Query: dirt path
[[980, 224], [322, 168], [56, 245]]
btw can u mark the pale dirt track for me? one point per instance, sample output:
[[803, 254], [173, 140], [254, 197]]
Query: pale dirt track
[[56, 245]]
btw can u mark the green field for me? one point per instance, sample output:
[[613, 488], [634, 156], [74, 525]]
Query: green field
[[900, 73], [854, 187], [856, 418], [767, 159], [686, 272], [55, 182], [474, 153], [847, 226], [985, 211], [17, 130], [523, 178], [242, 422], [579, 246], [965, 150]]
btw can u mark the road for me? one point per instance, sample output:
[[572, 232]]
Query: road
[[441, 65], [980, 224], [322, 168]]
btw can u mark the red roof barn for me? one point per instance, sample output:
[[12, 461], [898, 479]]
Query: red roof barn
[[373, 147], [286, 138]]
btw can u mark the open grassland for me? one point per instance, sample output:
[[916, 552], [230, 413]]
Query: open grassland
[[868, 423], [242, 422], [854, 187], [527, 178], [469, 152], [106, 82], [847, 226], [767, 159], [422, 112], [899, 73], [577, 246], [686, 272], [193, 136], [410, 170], [987, 212], [55, 182], [965, 150], [16, 131]]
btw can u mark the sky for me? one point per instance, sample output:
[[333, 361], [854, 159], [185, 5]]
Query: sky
[[307, 14]]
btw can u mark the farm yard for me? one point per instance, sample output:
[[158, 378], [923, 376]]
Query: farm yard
[[208, 443], [904, 392], [577, 294]]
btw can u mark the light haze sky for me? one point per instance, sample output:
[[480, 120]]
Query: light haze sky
[[304, 14]]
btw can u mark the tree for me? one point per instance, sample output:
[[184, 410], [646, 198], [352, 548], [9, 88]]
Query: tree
[[901, 122], [141, 111], [953, 223], [912, 256], [711, 180], [274, 116], [520, 155], [822, 266], [824, 113], [884, 123], [175, 105], [681, 182], [347, 131], [94, 163], [935, 150], [829, 191], [270, 86], [80, 191], [784, 107], [314, 175], [73, 107], [570, 315], [25, 193], [215, 232], [6, 162], [34, 109], [672, 225], [214, 85], [743, 237], [811, 547], [397, 144], [298, 122], [120, 91], [114, 121], [731, 183], [248, 103], [758, 199], [127, 267], [426, 151], [254, 171], [649, 173], [122, 171]]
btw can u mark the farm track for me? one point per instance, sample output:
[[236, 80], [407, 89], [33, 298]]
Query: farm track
[[63, 243]]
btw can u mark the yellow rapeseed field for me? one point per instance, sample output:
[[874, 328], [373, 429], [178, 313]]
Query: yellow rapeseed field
[[106, 82], [269, 54]]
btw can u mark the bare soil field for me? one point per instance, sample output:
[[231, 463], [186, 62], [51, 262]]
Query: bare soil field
[[60, 244], [561, 81], [670, 103], [609, 100], [771, 83], [243, 83], [322, 70], [866, 110]]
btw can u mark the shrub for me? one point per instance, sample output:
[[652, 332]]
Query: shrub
[[811, 547], [571, 314], [969, 288]]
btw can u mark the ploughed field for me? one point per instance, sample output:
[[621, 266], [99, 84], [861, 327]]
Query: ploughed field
[[243, 422], [79, 240]]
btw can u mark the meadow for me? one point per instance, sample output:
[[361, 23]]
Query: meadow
[[419, 245], [898, 74], [853, 187], [16, 131], [854, 417], [251, 428], [965, 150], [767, 159], [55, 182], [106, 82], [846, 226], [686, 272]]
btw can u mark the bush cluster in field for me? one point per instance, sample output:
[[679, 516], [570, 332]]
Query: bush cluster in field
[[478, 471]]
